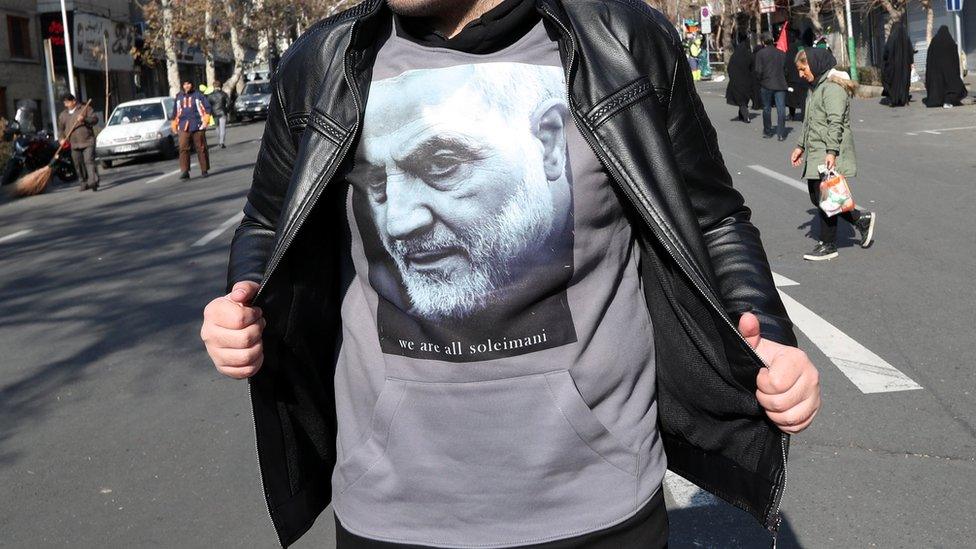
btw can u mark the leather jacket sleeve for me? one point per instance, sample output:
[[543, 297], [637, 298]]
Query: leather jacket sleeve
[[739, 262], [254, 239]]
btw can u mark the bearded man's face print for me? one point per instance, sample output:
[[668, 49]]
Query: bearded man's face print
[[463, 196]]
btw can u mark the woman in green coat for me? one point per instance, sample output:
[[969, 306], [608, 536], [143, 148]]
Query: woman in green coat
[[826, 140]]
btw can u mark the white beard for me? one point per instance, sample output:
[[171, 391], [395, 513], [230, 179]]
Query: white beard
[[495, 249]]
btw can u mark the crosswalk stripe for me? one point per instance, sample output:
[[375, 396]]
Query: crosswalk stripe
[[866, 370], [685, 494]]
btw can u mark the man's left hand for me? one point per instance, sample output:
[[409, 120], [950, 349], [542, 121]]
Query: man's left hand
[[789, 389]]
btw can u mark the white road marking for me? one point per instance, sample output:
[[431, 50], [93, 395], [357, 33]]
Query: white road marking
[[791, 181], [167, 174], [938, 131], [236, 218], [685, 494], [868, 371], [15, 235]]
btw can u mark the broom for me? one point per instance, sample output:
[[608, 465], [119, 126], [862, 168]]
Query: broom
[[36, 181]]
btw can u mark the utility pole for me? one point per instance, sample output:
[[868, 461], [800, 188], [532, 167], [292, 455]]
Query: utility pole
[[851, 47], [67, 49]]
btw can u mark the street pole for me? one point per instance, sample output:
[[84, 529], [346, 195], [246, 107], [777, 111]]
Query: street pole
[[959, 42], [851, 47], [67, 49], [49, 77]]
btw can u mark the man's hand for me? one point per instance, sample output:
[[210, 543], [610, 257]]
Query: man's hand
[[789, 389], [830, 160], [796, 157], [232, 332]]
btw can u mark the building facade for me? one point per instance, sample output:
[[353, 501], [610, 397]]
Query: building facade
[[21, 60]]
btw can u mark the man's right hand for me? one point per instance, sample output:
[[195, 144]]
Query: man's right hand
[[232, 332]]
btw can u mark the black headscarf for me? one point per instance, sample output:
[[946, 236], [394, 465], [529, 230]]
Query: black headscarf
[[942, 80], [820, 62], [896, 72], [741, 79]]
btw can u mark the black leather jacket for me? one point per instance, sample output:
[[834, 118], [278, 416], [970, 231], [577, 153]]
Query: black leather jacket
[[702, 262]]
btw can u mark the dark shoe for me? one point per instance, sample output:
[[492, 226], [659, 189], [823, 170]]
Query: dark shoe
[[822, 252], [185, 175], [94, 188], [222, 146], [865, 226], [768, 135], [204, 174], [781, 138]]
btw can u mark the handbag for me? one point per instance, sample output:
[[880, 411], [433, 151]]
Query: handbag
[[835, 193]]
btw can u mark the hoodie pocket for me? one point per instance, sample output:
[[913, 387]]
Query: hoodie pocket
[[502, 462]]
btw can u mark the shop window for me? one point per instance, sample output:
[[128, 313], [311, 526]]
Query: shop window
[[18, 36]]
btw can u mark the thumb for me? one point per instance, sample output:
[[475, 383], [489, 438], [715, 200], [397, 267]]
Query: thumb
[[243, 292], [749, 328]]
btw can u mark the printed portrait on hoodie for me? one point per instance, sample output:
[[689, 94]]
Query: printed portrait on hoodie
[[462, 193]]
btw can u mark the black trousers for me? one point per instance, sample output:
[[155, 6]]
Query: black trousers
[[828, 225], [84, 160], [648, 529]]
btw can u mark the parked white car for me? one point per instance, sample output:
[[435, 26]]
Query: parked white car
[[137, 128]]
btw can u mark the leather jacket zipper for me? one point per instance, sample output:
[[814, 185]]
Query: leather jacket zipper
[[774, 519], [298, 224]]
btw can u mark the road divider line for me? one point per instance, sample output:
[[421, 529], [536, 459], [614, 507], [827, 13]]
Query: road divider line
[[791, 181], [938, 131], [14, 235], [235, 219], [167, 174], [685, 494], [866, 370]]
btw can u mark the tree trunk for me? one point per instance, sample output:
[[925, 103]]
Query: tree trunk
[[236, 78], [169, 48], [929, 21], [208, 47], [815, 15], [840, 15]]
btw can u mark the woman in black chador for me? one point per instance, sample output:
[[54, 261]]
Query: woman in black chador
[[796, 95], [896, 67], [942, 80], [741, 80]]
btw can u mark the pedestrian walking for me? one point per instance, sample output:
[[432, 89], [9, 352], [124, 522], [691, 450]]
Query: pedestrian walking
[[190, 121], [472, 333], [220, 103], [741, 80], [82, 141], [797, 87], [771, 73], [896, 67], [827, 140], [943, 83], [757, 102]]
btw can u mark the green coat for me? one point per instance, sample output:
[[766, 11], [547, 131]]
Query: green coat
[[827, 126]]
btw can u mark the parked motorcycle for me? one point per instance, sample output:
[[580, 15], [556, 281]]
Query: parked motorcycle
[[33, 151]]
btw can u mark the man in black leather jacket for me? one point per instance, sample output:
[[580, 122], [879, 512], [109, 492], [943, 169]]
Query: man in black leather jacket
[[307, 270]]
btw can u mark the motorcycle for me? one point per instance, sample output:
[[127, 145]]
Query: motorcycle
[[32, 152]]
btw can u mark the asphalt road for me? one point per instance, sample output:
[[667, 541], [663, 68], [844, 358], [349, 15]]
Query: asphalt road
[[115, 431]]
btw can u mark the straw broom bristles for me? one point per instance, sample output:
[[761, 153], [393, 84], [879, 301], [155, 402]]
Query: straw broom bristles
[[36, 181]]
